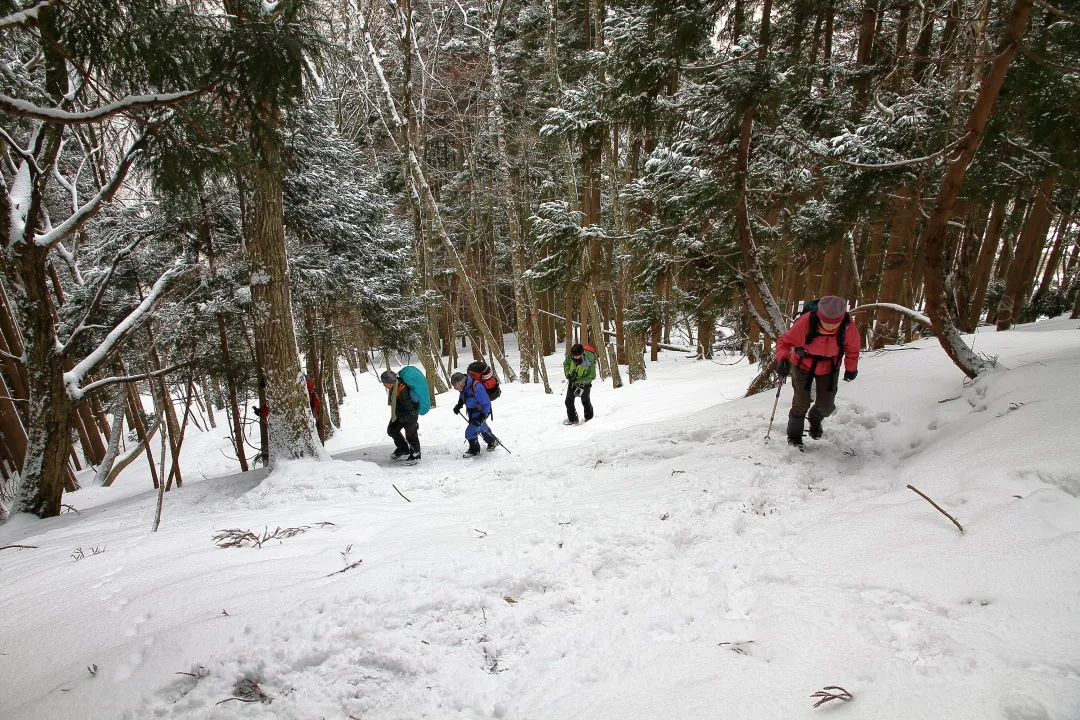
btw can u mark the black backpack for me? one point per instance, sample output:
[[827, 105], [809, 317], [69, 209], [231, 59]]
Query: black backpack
[[810, 306]]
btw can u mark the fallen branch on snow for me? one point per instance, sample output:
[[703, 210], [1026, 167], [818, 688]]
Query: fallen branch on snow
[[927, 499], [831, 692]]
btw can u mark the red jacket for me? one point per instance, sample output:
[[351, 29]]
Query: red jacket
[[825, 347]]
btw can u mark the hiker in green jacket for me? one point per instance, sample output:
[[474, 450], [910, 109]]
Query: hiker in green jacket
[[580, 370], [404, 415]]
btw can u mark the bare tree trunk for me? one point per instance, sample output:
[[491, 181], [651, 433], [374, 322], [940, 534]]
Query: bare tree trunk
[[523, 307], [763, 306], [896, 266], [1025, 261], [937, 307], [130, 456], [980, 279], [422, 190], [1053, 262], [104, 469]]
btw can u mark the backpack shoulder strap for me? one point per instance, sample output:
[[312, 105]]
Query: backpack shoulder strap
[[840, 338]]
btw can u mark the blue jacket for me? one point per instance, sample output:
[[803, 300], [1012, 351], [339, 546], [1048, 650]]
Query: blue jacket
[[475, 398]]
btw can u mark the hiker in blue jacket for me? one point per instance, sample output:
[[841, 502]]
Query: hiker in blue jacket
[[474, 398]]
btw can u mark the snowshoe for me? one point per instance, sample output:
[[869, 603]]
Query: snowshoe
[[400, 454]]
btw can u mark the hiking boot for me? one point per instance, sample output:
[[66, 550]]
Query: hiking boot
[[795, 424], [398, 454], [816, 430], [474, 449], [414, 456], [570, 421], [492, 442]]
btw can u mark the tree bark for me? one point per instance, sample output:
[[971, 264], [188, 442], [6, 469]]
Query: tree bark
[[980, 279], [937, 307], [1029, 249], [288, 424]]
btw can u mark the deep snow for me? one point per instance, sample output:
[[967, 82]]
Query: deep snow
[[661, 561]]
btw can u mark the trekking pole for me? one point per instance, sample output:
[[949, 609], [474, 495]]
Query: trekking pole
[[500, 442], [775, 403]]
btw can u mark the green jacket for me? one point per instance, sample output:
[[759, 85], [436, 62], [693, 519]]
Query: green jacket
[[582, 374], [402, 407]]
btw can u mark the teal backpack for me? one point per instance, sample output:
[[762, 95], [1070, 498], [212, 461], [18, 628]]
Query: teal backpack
[[415, 380]]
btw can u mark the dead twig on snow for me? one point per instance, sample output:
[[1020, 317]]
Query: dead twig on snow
[[235, 537], [831, 692], [400, 493], [248, 691], [927, 499], [346, 568]]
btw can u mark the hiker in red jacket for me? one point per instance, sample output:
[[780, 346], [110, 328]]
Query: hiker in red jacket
[[812, 351]]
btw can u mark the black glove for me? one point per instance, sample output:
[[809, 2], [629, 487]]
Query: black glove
[[477, 420], [850, 375], [457, 408], [783, 368]]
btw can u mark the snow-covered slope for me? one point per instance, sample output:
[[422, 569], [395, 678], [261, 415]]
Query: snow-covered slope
[[662, 561]]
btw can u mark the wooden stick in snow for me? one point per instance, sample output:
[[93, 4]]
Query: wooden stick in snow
[[920, 492]]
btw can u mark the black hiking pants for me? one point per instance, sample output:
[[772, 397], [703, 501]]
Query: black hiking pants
[[824, 396], [586, 403], [412, 433]]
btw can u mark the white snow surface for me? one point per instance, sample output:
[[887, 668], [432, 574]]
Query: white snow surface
[[661, 561]]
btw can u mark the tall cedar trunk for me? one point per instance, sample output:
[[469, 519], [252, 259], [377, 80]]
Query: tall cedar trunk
[[761, 303], [208, 403], [44, 472], [524, 310], [867, 27], [45, 464], [234, 402], [1053, 262], [937, 308], [967, 256], [13, 437], [980, 278], [288, 426], [872, 263], [830, 269], [172, 427], [422, 189], [1025, 261], [895, 269], [314, 371]]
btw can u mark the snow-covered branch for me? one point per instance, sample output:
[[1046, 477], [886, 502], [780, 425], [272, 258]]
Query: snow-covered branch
[[131, 378], [100, 292], [18, 150], [903, 310], [80, 216], [74, 377], [24, 16], [14, 106], [876, 166]]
